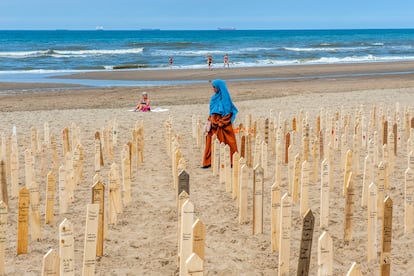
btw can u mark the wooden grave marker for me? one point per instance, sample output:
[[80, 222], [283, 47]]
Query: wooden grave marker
[[126, 180], [187, 220], [33, 140], [325, 255], [306, 243], [98, 197], [3, 235], [66, 248], [367, 179], [324, 210], [63, 197], [183, 183], [385, 267], [195, 265], [354, 270], [55, 156], [28, 162], [372, 223], [381, 188], [35, 226], [243, 146], [285, 229], [115, 197], [348, 170], [216, 157], [279, 164], [243, 197], [23, 221], [3, 183], [182, 198], [14, 174], [275, 217], [258, 180], [296, 179], [91, 233], [227, 169], [65, 141], [349, 209], [304, 188], [235, 177], [50, 264], [199, 235], [50, 197], [43, 160], [98, 152], [408, 201], [287, 144]]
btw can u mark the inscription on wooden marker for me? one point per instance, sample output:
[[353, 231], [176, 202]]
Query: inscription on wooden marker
[[199, 234], [275, 218], [306, 243], [325, 255], [91, 231], [98, 197], [258, 180], [66, 248], [23, 221], [385, 269], [285, 229]]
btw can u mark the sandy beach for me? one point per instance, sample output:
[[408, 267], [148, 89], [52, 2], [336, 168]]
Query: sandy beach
[[144, 242]]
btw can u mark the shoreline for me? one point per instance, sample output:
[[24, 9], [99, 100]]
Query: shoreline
[[42, 96]]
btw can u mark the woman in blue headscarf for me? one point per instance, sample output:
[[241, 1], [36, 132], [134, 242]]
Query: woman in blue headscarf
[[222, 115]]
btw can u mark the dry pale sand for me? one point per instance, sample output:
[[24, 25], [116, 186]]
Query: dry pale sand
[[144, 242]]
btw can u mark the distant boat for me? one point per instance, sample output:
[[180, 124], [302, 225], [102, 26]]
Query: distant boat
[[150, 29], [226, 28], [99, 28]]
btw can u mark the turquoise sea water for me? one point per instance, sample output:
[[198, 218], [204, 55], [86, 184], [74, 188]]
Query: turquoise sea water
[[30, 54]]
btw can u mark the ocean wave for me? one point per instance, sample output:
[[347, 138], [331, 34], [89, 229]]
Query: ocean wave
[[327, 49], [195, 53], [69, 53]]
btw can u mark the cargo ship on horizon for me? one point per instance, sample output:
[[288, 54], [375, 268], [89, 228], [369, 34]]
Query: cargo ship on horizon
[[226, 28]]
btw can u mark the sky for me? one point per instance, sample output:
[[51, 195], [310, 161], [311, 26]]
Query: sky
[[205, 15]]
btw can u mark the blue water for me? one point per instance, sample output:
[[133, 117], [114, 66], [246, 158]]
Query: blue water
[[54, 52]]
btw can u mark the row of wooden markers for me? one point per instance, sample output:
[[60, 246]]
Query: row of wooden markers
[[191, 234], [70, 176], [305, 156]]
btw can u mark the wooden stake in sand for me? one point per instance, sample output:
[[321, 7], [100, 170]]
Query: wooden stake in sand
[[215, 157], [324, 211], [115, 197], [98, 197], [306, 243], [91, 231], [199, 235], [63, 198], [3, 235], [372, 223], [235, 176], [381, 187], [243, 197], [28, 165], [222, 174], [3, 183], [50, 265], [349, 209], [408, 201], [195, 265], [126, 180], [98, 152], [187, 220], [66, 248], [275, 217], [65, 141], [227, 169], [14, 173], [35, 212], [386, 238], [304, 188], [258, 180], [182, 198], [23, 221], [287, 144], [285, 228], [50, 197], [183, 182], [296, 179], [354, 270], [325, 255], [348, 169]]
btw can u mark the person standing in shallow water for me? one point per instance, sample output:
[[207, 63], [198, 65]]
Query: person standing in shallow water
[[222, 115]]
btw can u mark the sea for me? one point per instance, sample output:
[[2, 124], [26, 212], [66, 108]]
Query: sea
[[27, 56]]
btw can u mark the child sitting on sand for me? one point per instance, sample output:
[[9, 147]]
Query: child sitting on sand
[[144, 103]]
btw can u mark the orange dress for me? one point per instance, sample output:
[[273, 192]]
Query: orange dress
[[222, 127]]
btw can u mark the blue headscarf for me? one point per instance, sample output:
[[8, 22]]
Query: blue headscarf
[[220, 102]]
